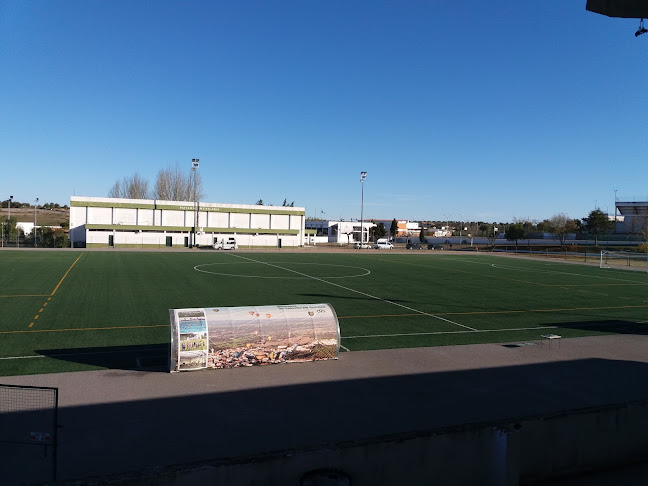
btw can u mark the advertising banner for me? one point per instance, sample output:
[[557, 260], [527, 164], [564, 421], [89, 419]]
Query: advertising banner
[[229, 337]]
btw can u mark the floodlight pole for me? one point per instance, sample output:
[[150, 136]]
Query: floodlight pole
[[35, 219], [615, 209], [9, 222], [194, 166], [363, 176]]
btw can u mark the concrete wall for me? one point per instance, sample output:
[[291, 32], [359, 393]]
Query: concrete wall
[[530, 450]]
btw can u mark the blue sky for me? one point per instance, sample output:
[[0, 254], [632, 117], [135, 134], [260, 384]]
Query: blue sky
[[465, 110]]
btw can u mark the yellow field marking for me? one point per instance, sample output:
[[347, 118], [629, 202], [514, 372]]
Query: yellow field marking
[[24, 258], [66, 274], [604, 285], [497, 312], [85, 329], [53, 291], [34, 295]]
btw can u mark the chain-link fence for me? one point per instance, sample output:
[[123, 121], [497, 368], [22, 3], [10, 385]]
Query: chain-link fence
[[28, 439]]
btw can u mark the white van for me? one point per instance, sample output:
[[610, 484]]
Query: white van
[[383, 244], [226, 244]]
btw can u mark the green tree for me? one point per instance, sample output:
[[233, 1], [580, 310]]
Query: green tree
[[9, 227], [422, 236], [54, 238], [597, 223], [393, 229], [380, 231], [515, 232]]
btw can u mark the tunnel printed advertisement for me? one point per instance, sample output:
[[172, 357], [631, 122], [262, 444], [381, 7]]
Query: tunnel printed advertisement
[[230, 337]]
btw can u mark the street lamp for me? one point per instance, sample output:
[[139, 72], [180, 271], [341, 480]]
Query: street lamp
[[194, 166], [363, 176], [35, 218]]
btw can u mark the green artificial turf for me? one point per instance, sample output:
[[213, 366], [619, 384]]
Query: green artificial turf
[[71, 310]]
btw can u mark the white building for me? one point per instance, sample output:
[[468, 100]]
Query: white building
[[631, 215], [147, 223], [341, 232], [26, 228]]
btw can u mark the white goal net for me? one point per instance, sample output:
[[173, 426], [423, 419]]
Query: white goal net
[[627, 260]]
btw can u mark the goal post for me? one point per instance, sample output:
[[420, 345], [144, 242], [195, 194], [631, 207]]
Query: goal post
[[627, 260]]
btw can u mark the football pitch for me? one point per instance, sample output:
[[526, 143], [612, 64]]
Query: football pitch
[[79, 310]]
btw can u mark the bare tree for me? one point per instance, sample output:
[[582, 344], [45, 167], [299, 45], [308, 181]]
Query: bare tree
[[560, 226], [133, 187], [172, 185]]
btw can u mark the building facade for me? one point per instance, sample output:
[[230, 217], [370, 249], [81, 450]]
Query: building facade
[[631, 215], [340, 232], [147, 223]]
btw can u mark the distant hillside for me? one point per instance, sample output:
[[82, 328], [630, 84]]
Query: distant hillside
[[45, 217]]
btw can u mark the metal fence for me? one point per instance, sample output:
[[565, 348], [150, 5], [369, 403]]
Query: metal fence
[[28, 434]]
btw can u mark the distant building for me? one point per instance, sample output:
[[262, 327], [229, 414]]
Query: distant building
[[631, 215], [25, 227], [405, 227], [148, 223], [341, 232]]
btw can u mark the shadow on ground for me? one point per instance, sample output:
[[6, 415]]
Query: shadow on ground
[[154, 357], [201, 425]]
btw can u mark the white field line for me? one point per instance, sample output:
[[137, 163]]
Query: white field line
[[448, 332], [555, 272], [358, 292]]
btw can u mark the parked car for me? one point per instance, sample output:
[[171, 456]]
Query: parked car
[[362, 246], [413, 246], [383, 244], [226, 244], [435, 246]]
